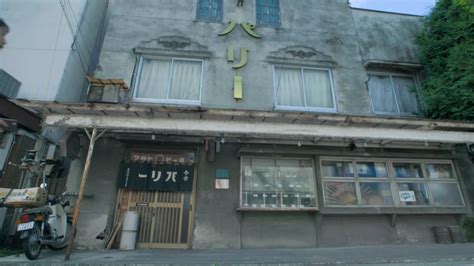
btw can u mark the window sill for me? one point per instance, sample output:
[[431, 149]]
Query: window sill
[[394, 210], [278, 209]]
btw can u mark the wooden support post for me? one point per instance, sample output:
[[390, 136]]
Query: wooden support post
[[92, 137]]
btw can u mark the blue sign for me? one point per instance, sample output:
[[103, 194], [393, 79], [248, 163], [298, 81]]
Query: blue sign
[[222, 173]]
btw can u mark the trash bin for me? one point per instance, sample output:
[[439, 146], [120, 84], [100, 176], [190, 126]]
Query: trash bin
[[441, 234], [129, 231], [457, 234]]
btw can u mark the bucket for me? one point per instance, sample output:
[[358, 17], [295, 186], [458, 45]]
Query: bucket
[[129, 231], [457, 234], [441, 234]]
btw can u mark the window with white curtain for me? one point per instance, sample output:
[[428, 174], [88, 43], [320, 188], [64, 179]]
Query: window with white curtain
[[393, 94], [304, 89], [172, 80]]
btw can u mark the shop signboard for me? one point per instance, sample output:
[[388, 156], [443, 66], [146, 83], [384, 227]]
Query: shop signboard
[[156, 177]]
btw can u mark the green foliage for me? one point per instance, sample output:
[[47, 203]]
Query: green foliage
[[468, 226], [447, 54], [4, 252]]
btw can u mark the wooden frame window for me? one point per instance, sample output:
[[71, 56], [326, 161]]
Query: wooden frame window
[[353, 182]]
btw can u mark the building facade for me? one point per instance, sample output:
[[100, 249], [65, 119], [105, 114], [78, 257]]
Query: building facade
[[52, 45], [268, 124]]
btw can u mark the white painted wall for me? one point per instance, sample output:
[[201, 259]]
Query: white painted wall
[[39, 43]]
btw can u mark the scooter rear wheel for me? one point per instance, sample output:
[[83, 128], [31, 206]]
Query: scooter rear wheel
[[32, 245], [65, 241]]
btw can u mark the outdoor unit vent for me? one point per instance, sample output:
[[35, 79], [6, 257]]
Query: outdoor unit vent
[[9, 86], [106, 90]]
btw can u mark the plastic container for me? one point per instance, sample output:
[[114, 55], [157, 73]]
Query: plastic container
[[129, 231], [442, 235], [457, 234]]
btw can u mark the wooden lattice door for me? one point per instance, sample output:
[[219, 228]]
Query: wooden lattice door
[[165, 217]]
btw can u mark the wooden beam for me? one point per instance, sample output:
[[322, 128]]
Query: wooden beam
[[24, 117], [93, 137], [252, 129]]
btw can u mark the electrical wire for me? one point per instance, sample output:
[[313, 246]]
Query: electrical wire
[[74, 43]]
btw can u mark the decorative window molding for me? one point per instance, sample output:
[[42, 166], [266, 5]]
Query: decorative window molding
[[392, 65], [268, 13], [209, 10], [173, 46], [302, 56], [389, 183]]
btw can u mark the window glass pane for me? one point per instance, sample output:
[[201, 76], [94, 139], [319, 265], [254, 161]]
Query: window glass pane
[[318, 88], [439, 171], [210, 10], [371, 169], [381, 93], [407, 97], [289, 87], [283, 183], [445, 194], [185, 80], [408, 170], [376, 194], [268, 12], [154, 79], [412, 194], [337, 169], [340, 193]]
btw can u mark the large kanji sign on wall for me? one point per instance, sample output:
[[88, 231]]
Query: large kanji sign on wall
[[156, 177]]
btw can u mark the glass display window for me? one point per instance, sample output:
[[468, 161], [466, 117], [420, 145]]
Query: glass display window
[[278, 183], [389, 183]]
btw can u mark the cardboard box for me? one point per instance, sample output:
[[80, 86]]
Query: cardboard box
[[24, 198]]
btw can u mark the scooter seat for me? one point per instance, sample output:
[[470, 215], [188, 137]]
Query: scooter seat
[[39, 209]]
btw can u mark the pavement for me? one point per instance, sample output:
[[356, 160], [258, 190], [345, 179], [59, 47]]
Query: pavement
[[455, 254]]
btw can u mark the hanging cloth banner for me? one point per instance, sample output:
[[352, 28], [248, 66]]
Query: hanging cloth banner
[[156, 177]]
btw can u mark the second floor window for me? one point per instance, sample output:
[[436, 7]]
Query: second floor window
[[209, 10], [169, 80], [393, 94], [268, 13], [304, 89]]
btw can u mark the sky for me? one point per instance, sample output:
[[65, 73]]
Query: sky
[[416, 7]]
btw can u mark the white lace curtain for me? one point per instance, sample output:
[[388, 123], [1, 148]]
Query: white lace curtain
[[303, 88], [382, 93], [170, 79]]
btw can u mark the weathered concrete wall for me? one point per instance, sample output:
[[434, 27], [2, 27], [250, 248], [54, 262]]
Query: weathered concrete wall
[[217, 223], [83, 58], [387, 36], [278, 230], [324, 25], [96, 212]]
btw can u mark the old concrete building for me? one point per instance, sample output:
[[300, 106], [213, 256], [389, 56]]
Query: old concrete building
[[268, 124]]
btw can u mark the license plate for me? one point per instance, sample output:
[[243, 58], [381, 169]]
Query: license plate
[[25, 226]]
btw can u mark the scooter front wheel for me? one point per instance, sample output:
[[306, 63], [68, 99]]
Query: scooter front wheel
[[32, 244]]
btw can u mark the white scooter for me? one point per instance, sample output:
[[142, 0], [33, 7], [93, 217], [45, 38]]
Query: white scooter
[[39, 226], [48, 225]]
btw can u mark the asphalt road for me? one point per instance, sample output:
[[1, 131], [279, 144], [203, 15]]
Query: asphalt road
[[458, 254]]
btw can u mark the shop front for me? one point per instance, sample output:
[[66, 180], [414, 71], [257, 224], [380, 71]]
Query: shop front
[[235, 179]]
